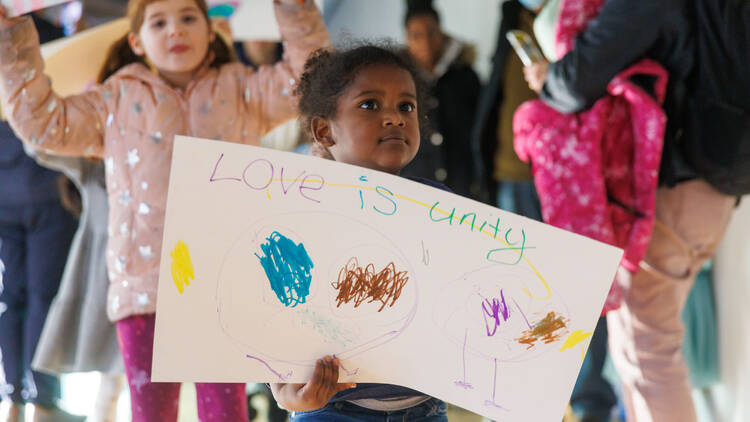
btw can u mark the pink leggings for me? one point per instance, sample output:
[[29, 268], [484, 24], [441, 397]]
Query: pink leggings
[[159, 401]]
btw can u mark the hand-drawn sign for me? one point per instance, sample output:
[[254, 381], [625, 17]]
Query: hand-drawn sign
[[296, 257], [368, 283]]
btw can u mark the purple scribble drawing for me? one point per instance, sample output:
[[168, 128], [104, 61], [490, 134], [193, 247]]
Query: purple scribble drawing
[[522, 313], [492, 402], [463, 384], [348, 372], [494, 310], [281, 377]]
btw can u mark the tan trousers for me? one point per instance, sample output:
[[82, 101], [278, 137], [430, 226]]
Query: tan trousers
[[646, 333]]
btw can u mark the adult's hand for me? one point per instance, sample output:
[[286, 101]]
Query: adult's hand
[[536, 74]]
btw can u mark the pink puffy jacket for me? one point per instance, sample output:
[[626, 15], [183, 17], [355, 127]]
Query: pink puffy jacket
[[130, 120]]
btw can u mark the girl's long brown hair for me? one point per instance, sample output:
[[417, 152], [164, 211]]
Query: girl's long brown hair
[[120, 54]]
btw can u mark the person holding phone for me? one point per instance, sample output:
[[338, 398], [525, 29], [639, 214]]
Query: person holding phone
[[691, 215], [528, 24]]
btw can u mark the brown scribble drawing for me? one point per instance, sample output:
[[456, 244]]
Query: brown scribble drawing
[[357, 284], [549, 329]]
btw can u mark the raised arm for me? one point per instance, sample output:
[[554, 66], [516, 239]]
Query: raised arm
[[269, 90], [64, 126]]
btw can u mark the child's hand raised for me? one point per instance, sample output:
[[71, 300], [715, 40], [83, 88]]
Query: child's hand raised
[[317, 392]]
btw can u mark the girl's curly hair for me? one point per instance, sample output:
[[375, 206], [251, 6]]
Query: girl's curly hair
[[328, 74]]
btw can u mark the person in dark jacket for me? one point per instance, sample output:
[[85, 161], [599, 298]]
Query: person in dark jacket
[[646, 333], [504, 179], [35, 236], [446, 63]]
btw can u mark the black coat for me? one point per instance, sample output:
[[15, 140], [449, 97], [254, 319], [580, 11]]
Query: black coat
[[445, 151]]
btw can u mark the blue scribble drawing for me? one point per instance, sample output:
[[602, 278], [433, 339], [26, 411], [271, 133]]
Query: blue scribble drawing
[[287, 266]]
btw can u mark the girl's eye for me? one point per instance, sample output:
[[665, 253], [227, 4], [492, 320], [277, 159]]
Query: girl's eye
[[158, 24], [189, 18], [368, 105], [407, 107]]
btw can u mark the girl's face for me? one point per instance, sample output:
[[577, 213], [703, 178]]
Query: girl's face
[[376, 124], [174, 36]]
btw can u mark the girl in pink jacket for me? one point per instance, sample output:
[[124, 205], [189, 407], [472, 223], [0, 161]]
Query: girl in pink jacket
[[170, 75]]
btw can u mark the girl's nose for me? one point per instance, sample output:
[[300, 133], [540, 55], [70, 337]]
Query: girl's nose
[[393, 118], [175, 29]]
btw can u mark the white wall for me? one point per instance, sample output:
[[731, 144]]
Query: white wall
[[475, 21]]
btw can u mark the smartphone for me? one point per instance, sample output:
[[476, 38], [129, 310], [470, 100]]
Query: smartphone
[[524, 46]]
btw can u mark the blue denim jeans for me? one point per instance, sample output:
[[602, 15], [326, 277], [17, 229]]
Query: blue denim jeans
[[433, 410]]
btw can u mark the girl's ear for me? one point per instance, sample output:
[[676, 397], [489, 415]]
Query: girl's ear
[[320, 128], [135, 44]]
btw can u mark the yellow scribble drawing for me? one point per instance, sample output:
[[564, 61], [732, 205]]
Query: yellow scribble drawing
[[182, 266], [576, 337]]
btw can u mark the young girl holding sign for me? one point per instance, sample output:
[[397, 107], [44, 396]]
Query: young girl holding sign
[[170, 75], [361, 107]]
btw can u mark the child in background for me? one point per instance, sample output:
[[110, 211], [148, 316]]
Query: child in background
[[170, 75], [77, 337], [361, 107], [446, 64]]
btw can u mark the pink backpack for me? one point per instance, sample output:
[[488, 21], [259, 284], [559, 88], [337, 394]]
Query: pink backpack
[[596, 171]]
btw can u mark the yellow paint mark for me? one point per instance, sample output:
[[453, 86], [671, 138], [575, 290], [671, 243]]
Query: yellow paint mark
[[583, 353], [268, 193], [574, 338], [182, 266]]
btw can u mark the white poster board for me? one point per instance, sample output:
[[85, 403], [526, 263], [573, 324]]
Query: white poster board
[[19, 7], [272, 260], [250, 19]]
